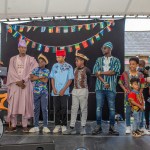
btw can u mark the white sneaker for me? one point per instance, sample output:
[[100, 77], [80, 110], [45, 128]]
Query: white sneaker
[[46, 130], [63, 128], [128, 130], [34, 129], [57, 129], [146, 132]]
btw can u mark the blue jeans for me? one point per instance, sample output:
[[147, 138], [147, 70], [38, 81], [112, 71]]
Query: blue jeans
[[100, 97], [40, 101], [128, 114], [137, 120]]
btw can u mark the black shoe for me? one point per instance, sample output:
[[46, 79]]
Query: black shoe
[[97, 130], [112, 131], [147, 127]]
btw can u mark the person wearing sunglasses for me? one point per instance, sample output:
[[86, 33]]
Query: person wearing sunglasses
[[106, 69]]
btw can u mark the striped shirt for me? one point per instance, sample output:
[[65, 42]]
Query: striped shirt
[[102, 65]]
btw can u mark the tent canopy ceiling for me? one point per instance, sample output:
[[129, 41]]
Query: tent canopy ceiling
[[44, 8]]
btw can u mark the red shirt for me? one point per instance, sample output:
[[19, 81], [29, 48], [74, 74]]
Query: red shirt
[[136, 97]]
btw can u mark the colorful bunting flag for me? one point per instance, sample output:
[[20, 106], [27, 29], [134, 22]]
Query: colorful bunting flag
[[57, 29], [93, 25], [9, 29], [87, 26], [101, 25], [29, 28], [77, 46], [108, 23], [109, 28], [85, 44], [53, 49], [39, 47], [46, 50], [73, 28], [34, 28], [80, 27], [21, 28], [15, 34], [66, 29], [33, 44], [102, 32], [91, 41], [97, 37], [43, 29], [27, 41], [69, 48], [50, 30], [14, 27]]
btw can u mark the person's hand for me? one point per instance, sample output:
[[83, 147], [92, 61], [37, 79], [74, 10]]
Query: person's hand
[[23, 86], [61, 93], [97, 73], [126, 91], [19, 83], [142, 107], [55, 91], [106, 85]]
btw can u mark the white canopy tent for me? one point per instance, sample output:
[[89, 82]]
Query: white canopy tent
[[44, 8]]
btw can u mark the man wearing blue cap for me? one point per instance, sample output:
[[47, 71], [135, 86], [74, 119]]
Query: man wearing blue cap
[[106, 69]]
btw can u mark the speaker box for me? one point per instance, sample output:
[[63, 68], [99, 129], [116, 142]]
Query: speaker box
[[29, 146]]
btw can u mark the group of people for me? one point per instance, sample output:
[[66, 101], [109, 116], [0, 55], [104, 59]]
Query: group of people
[[27, 91]]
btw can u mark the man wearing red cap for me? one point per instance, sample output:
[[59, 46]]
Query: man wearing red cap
[[61, 78], [20, 89]]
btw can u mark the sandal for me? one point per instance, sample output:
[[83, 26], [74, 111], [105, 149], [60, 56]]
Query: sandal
[[135, 134], [140, 132]]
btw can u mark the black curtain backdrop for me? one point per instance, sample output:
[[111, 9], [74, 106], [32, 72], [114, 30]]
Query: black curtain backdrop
[[116, 36]]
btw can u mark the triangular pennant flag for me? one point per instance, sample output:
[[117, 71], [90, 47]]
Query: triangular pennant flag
[[46, 50], [77, 46], [21, 28], [57, 29], [93, 25], [101, 25], [21, 37], [102, 32], [34, 28], [29, 28], [73, 28], [112, 22], [97, 37], [109, 28], [69, 48], [9, 29], [43, 29], [39, 47], [87, 26], [15, 34], [53, 49], [50, 29], [85, 44], [33, 44], [14, 27], [65, 29], [80, 27], [108, 23], [91, 41], [27, 41]]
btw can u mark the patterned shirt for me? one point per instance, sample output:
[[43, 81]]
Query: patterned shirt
[[103, 64], [136, 97], [61, 73], [39, 86], [126, 77], [82, 78]]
